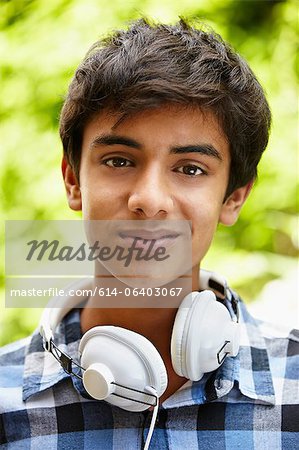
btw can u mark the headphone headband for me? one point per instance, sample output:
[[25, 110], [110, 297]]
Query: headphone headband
[[59, 307]]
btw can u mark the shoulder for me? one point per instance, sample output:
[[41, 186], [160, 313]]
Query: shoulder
[[12, 358], [282, 344], [14, 353], [281, 340], [269, 330], [274, 349]]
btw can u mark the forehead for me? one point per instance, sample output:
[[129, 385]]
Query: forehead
[[162, 127]]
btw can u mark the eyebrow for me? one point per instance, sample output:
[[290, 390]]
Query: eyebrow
[[111, 139], [204, 149]]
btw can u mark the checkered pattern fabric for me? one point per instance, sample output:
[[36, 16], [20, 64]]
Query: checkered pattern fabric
[[250, 402]]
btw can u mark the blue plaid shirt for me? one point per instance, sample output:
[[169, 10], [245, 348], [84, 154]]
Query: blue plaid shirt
[[250, 402]]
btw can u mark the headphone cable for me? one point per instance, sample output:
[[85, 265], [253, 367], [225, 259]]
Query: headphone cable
[[152, 425]]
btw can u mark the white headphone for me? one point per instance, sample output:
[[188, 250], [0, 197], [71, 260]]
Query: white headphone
[[125, 369]]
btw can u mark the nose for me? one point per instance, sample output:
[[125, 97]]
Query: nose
[[151, 196]]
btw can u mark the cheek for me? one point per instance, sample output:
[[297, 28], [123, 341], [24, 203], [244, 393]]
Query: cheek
[[101, 198], [204, 225], [100, 203]]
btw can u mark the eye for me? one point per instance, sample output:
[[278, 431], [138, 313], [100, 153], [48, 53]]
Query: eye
[[117, 161], [190, 169]]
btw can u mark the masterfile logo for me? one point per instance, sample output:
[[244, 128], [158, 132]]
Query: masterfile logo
[[137, 257]]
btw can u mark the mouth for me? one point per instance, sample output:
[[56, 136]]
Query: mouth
[[147, 235], [144, 238]]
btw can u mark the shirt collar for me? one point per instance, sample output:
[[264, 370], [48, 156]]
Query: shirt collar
[[248, 372]]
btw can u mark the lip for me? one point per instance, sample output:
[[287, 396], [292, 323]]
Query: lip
[[157, 235], [149, 239]]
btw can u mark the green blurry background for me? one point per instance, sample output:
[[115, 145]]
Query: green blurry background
[[42, 42]]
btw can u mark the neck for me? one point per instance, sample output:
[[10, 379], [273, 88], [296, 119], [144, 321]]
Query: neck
[[153, 323], [138, 314]]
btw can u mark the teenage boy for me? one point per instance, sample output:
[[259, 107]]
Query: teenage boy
[[161, 123]]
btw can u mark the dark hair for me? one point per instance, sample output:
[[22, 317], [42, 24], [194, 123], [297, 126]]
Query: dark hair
[[152, 64]]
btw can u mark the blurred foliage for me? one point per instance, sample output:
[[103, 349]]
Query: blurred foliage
[[41, 43]]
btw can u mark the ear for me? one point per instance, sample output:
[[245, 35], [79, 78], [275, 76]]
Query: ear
[[231, 208], [72, 186]]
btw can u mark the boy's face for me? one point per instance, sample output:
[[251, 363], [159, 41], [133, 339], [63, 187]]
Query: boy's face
[[170, 163]]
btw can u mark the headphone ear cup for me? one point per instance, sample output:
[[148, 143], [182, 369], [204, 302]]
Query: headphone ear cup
[[116, 355], [180, 335], [202, 327]]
